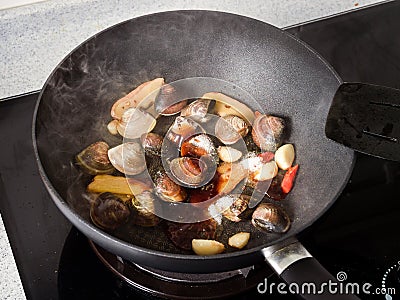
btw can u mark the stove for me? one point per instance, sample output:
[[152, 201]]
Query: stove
[[358, 236]]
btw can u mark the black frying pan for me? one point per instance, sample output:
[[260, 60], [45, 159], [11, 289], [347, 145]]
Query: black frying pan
[[285, 76]]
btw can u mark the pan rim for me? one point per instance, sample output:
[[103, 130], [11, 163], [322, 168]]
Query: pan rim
[[101, 235]]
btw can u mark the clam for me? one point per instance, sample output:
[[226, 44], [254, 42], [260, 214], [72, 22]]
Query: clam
[[181, 129], [229, 129], [268, 132], [94, 159], [166, 103], [191, 171], [167, 189], [271, 218], [151, 143], [198, 146], [108, 211], [229, 154], [128, 125], [146, 92], [238, 206], [197, 110], [128, 158], [144, 206]]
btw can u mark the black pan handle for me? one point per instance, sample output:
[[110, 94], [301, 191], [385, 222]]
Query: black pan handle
[[300, 270]]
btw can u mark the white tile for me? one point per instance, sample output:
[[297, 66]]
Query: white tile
[[10, 283]]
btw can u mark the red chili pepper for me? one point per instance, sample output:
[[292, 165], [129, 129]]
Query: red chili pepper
[[266, 156], [288, 179]]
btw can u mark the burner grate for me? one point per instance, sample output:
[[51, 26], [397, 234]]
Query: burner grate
[[173, 285]]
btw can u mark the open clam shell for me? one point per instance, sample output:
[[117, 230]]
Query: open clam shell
[[128, 158], [128, 126]]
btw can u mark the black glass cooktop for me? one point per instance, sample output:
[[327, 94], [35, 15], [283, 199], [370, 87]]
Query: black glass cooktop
[[359, 235]]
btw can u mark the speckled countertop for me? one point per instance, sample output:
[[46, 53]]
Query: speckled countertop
[[35, 38]]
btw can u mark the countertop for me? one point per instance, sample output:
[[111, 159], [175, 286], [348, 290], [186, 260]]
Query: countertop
[[35, 38]]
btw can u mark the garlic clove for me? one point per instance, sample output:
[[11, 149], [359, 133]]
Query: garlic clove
[[229, 154], [239, 240], [112, 127], [266, 171], [284, 156], [207, 247]]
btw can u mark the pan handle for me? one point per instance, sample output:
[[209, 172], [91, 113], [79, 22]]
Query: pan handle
[[297, 267]]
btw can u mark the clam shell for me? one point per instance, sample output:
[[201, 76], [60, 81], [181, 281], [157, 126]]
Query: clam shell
[[183, 128], [229, 129], [167, 189], [268, 132], [152, 143], [237, 208], [191, 171], [167, 96], [128, 158], [197, 110], [128, 126], [108, 211], [94, 159], [271, 218]]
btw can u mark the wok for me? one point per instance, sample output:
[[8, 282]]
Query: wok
[[283, 74]]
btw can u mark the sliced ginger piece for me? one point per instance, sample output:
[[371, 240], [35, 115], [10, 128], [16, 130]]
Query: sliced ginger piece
[[146, 91], [226, 105], [116, 185]]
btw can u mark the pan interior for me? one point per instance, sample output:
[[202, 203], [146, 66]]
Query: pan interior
[[284, 76]]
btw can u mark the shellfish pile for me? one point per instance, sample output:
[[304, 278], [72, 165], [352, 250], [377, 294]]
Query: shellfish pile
[[170, 138]]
